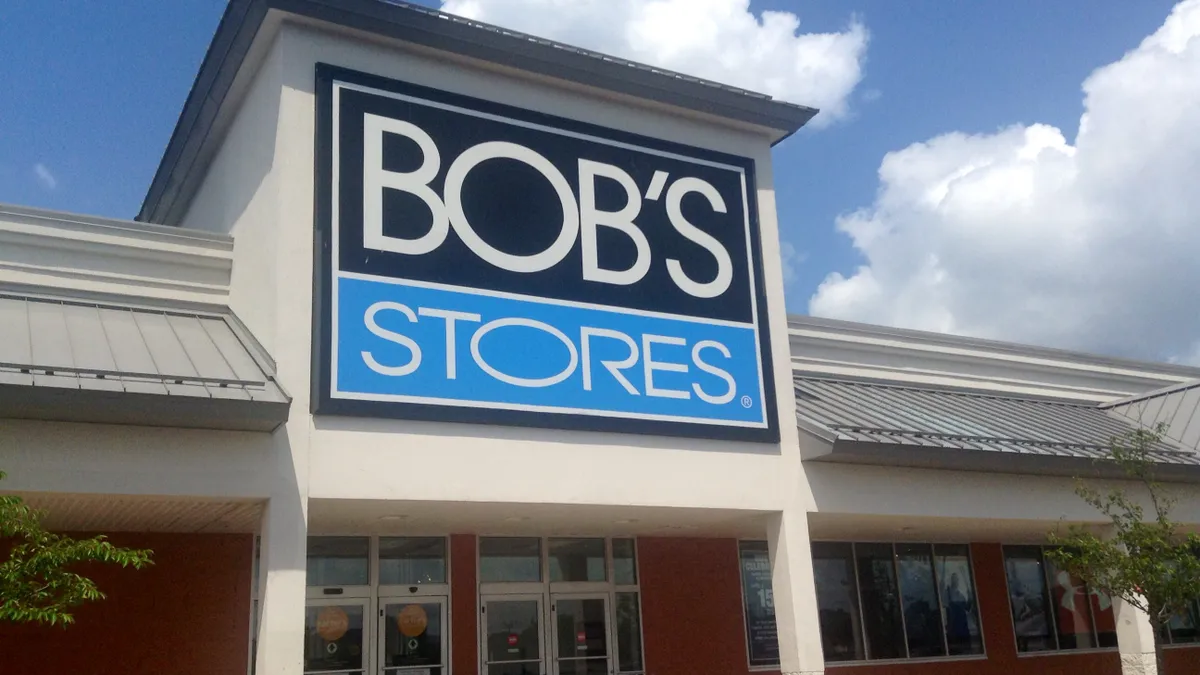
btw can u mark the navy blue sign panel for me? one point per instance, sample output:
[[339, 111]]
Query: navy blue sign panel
[[484, 263]]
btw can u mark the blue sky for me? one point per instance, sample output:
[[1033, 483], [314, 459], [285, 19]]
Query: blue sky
[[92, 91]]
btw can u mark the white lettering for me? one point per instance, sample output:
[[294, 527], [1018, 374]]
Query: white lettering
[[591, 218], [450, 316], [416, 183], [613, 367], [713, 370], [649, 365], [374, 327], [523, 381], [536, 262], [724, 276]]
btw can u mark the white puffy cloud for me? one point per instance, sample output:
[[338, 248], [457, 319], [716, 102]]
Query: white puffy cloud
[[719, 40], [1023, 235]]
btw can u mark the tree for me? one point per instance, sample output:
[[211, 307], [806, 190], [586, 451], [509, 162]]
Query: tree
[[36, 581], [1146, 560]]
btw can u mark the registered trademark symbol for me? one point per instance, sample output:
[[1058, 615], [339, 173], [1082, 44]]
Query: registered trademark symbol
[[747, 401]]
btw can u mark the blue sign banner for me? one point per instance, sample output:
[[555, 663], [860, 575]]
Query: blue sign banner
[[483, 263], [423, 345]]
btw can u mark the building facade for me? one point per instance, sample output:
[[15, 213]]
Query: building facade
[[437, 348]]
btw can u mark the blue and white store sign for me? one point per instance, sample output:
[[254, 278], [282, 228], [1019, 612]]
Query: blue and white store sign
[[483, 263]]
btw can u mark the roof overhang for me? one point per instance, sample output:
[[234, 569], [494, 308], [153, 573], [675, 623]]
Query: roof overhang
[[110, 362], [235, 39]]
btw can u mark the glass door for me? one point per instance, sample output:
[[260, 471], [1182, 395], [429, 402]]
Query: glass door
[[412, 635], [512, 635], [581, 630], [334, 639]]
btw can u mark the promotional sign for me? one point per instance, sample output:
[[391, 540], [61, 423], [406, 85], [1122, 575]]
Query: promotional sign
[[762, 634], [484, 263]]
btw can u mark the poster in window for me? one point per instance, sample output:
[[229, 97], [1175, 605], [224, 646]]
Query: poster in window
[[759, 598]]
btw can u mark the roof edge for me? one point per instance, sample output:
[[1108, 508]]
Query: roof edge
[[242, 19]]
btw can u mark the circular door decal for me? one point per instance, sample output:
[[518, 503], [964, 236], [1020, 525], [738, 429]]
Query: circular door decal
[[412, 620], [512, 639], [332, 623]]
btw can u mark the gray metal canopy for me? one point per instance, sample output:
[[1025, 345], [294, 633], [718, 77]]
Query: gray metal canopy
[[75, 360], [874, 423]]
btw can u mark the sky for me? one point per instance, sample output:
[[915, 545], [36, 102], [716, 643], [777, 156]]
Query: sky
[[1021, 170]]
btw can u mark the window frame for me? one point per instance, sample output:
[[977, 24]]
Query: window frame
[[1052, 616], [867, 660]]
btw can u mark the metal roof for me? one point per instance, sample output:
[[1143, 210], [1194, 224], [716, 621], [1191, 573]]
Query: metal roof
[[876, 420], [1175, 408], [82, 361], [191, 140]]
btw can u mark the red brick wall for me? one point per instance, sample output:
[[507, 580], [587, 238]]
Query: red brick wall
[[691, 607], [464, 607], [189, 614]]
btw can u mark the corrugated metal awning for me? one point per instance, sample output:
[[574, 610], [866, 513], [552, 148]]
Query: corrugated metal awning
[[871, 422], [81, 361]]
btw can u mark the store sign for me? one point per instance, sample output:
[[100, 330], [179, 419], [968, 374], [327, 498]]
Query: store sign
[[484, 263], [762, 634]]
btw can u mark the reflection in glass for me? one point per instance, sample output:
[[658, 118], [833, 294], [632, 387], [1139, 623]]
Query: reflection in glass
[[922, 617], [513, 631], [1182, 628], [1028, 597], [629, 633], [837, 602], [338, 561], [1105, 618], [581, 628], [576, 560], [412, 635], [510, 559], [880, 601], [410, 561], [959, 607], [333, 638], [1072, 610], [624, 562], [758, 603]]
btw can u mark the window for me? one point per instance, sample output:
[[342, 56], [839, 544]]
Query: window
[[1053, 610], [577, 560], [339, 561], [878, 601], [627, 606], [1182, 628], [624, 566], [758, 603], [510, 559], [411, 561]]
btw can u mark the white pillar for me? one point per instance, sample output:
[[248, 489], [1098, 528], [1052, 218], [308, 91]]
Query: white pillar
[[795, 594], [281, 573], [1135, 639]]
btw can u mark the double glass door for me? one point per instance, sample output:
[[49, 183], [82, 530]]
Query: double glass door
[[522, 635], [409, 637]]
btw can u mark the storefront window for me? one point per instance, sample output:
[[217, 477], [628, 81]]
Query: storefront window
[[919, 601], [758, 599], [879, 601], [1052, 609], [338, 561], [837, 601], [629, 633], [624, 565], [577, 560], [1182, 628], [411, 561], [510, 559], [952, 564]]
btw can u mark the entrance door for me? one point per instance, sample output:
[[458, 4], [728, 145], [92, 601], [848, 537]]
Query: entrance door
[[334, 639], [513, 641], [581, 630], [412, 635]]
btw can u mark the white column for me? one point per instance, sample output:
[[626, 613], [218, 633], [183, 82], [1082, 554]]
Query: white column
[[795, 594], [1135, 639], [282, 570]]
